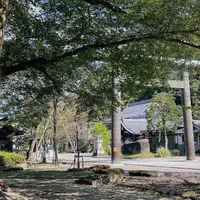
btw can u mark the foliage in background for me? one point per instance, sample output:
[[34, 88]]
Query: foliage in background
[[195, 92], [10, 159], [163, 115], [100, 128]]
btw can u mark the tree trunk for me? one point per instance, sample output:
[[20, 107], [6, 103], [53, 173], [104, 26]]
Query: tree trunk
[[55, 102], [44, 134], [159, 138], [45, 148], [78, 150], [3, 17], [166, 140], [30, 152], [116, 121]]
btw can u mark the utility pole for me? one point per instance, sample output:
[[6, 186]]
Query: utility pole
[[187, 115], [116, 123]]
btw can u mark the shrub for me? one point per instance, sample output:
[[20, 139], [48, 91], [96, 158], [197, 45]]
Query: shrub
[[162, 152], [175, 152], [10, 159], [139, 155], [197, 152]]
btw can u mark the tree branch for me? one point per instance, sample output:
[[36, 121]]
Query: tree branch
[[39, 63], [184, 42], [23, 65]]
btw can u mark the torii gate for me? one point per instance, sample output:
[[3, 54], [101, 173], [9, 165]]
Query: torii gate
[[187, 116]]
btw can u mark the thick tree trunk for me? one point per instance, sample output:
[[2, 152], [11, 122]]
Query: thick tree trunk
[[116, 121], [55, 102], [30, 152], [3, 17]]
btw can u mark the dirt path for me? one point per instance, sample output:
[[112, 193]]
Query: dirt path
[[57, 185]]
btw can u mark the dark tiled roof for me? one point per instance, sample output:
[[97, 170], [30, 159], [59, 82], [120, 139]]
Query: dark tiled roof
[[135, 126], [136, 110], [134, 118]]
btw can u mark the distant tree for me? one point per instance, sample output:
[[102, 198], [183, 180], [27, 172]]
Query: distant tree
[[163, 115], [72, 125]]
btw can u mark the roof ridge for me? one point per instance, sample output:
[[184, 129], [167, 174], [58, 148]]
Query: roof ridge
[[139, 102]]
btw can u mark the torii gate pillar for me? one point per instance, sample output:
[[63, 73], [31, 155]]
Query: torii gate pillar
[[184, 85]]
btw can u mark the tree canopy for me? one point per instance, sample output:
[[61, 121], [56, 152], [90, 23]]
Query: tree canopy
[[73, 45], [41, 33]]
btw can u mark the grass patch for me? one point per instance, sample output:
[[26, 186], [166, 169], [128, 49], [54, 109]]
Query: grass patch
[[139, 155], [190, 193]]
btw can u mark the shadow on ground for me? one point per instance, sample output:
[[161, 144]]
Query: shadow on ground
[[59, 185]]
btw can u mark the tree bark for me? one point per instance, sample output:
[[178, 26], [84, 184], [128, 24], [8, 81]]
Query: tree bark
[[55, 102], [3, 17]]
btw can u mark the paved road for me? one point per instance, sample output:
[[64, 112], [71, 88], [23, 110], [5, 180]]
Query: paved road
[[174, 162]]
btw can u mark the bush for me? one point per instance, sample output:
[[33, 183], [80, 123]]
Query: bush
[[162, 152], [10, 159], [109, 151], [175, 152], [139, 155]]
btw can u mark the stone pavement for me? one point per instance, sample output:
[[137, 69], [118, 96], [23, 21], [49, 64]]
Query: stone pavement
[[154, 164], [174, 162]]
